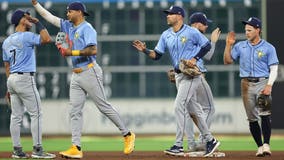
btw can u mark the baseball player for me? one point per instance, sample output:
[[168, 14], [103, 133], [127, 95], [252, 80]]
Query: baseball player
[[258, 71], [183, 42], [199, 21], [20, 66], [83, 52]]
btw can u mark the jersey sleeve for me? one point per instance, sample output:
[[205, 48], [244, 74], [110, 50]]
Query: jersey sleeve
[[64, 25], [32, 38], [199, 39], [5, 56], [161, 45], [90, 36], [272, 57], [235, 54]]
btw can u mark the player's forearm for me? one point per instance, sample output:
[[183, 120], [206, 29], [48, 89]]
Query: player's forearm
[[7, 68], [227, 55], [47, 15], [44, 36], [91, 50], [273, 74], [209, 55], [205, 49], [152, 54]]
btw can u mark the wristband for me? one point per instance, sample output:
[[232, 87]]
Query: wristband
[[147, 51], [39, 26], [75, 53]]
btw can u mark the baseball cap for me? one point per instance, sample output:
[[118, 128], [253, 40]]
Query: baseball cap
[[17, 16], [199, 17], [78, 6], [175, 10], [253, 21]]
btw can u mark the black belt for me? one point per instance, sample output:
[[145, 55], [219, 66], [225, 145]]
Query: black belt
[[254, 79], [81, 60], [31, 73], [177, 70]]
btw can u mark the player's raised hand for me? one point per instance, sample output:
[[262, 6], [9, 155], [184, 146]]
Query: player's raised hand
[[231, 38], [140, 46], [215, 35], [34, 2]]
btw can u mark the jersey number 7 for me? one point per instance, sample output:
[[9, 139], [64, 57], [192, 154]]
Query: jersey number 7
[[14, 54]]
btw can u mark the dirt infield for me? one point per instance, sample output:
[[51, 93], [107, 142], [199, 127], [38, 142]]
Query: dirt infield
[[159, 155]]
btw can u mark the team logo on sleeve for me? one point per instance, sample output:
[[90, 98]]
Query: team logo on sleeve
[[183, 40], [260, 54]]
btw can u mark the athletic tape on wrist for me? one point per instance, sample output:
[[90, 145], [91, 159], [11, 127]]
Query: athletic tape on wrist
[[75, 52]]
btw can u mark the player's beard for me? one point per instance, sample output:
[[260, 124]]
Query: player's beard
[[69, 18], [171, 23], [28, 26], [201, 31]]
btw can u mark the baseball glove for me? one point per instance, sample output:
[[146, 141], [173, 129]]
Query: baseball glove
[[8, 98], [63, 43], [171, 76], [189, 70], [264, 102]]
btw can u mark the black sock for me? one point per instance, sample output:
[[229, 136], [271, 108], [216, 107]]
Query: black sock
[[266, 128], [79, 148], [255, 132], [128, 134]]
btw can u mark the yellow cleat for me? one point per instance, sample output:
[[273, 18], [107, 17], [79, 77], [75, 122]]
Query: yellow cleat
[[72, 152], [129, 143]]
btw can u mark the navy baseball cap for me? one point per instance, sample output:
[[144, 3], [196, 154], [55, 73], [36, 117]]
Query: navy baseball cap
[[253, 21], [175, 10], [78, 6], [199, 17], [17, 16]]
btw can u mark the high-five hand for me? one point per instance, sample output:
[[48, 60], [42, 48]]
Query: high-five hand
[[231, 38], [34, 2], [140, 46], [215, 35]]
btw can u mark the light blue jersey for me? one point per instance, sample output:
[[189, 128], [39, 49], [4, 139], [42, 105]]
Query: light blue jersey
[[184, 44], [254, 60], [81, 36], [18, 50]]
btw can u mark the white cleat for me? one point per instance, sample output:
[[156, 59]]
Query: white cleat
[[259, 152], [266, 150]]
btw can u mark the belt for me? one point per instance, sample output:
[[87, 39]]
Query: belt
[[254, 79], [81, 59], [22, 73], [177, 70], [84, 68]]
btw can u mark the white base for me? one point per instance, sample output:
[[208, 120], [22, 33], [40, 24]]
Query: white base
[[201, 154]]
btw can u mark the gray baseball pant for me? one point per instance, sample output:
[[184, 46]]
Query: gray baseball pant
[[186, 99], [90, 82], [24, 94]]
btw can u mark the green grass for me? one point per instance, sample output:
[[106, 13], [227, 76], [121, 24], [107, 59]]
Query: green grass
[[155, 143]]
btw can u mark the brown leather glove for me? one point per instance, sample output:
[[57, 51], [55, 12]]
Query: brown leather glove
[[171, 76], [189, 70]]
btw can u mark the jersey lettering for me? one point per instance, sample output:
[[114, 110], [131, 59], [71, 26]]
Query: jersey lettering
[[14, 55]]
